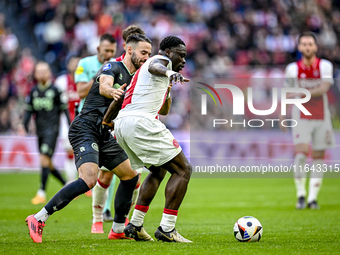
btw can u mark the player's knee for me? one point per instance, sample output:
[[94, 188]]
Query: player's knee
[[187, 170], [318, 154]]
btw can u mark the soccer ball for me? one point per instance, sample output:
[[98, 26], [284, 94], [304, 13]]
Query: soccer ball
[[248, 229]]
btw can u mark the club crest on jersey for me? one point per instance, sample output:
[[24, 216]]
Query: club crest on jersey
[[107, 67], [303, 75], [316, 73]]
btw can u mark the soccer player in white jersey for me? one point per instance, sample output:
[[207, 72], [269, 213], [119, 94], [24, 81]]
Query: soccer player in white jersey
[[316, 75], [149, 143]]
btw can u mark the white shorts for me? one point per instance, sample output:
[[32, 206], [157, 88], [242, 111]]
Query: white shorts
[[64, 133], [319, 132], [147, 142]]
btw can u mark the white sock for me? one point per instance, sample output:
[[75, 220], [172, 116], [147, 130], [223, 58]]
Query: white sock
[[99, 195], [42, 215], [168, 222], [70, 170], [300, 174], [137, 218], [315, 181], [41, 193], [134, 199], [118, 227]]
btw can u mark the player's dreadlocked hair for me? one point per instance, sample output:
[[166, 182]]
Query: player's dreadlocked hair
[[131, 30], [170, 41], [135, 38]]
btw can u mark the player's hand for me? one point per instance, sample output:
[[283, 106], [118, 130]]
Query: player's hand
[[177, 77], [117, 93], [105, 132], [21, 130], [283, 128]]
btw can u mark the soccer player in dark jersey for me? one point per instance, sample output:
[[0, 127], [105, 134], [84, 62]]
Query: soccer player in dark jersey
[[97, 225], [45, 102], [94, 147]]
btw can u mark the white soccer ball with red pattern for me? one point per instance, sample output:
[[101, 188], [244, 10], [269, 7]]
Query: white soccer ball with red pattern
[[248, 229]]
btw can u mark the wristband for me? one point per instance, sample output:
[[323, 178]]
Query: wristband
[[168, 73]]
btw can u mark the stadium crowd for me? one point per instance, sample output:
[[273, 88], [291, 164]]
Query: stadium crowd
[[219, 36]]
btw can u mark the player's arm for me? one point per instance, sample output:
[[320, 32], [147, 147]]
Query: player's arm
[[106, 87], [23, 128], [167, 104], [83, 88], [113, 110], [159, 67], [320, 90], [326, 73]]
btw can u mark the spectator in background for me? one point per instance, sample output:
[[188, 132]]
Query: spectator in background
[[46, 103]]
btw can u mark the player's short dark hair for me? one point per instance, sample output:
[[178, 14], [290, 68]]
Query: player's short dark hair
[[310, 34], [131, 30], [169, 42], [108, 37], [135, 38]]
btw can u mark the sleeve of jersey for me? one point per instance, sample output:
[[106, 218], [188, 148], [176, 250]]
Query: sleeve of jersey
[[81, 74], [109, 69], [289, 77], [326, 71], [29, 103]]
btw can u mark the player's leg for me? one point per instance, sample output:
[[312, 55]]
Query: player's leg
[[99, 196], [40, 197], [107, 216], [83, 139], [115, 158], [175, 190], [302, 136], [315, 180], [301, 153], [87, 178]]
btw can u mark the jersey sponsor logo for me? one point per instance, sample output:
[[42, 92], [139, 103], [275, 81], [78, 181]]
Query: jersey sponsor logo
[[45, 103], [95, 146], [107, 67], [175, 143], [79, 70], [50, 93]]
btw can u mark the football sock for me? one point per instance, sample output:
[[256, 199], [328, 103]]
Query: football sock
[[123, 199], [42, 215], [168, 220], [45, 171], [41, 193], [300, 174], [70, 169], [134, 198], [138, 215], [57, 175], [315, 181], [118, 227], [66, 195], [99, 194], [111, 192]]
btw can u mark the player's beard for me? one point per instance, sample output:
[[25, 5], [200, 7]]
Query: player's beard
[[135, 61]]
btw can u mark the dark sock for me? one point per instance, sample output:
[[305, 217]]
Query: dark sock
[[66, 195], [123, 199], [45, 171], [57, 175]]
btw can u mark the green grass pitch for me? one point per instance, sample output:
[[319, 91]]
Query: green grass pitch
[[207, 215]]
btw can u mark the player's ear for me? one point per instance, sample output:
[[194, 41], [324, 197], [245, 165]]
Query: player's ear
[[124, 46], [129, 49], [167, 52], [98, 49]]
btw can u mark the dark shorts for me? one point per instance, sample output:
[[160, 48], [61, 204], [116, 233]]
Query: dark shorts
[[89, 147], [47, 142]]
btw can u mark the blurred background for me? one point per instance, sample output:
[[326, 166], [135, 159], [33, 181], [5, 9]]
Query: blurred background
[[225, 39]]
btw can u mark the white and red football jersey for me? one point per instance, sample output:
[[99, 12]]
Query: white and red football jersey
[[68, 87], [299, 75], [146, 93]]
